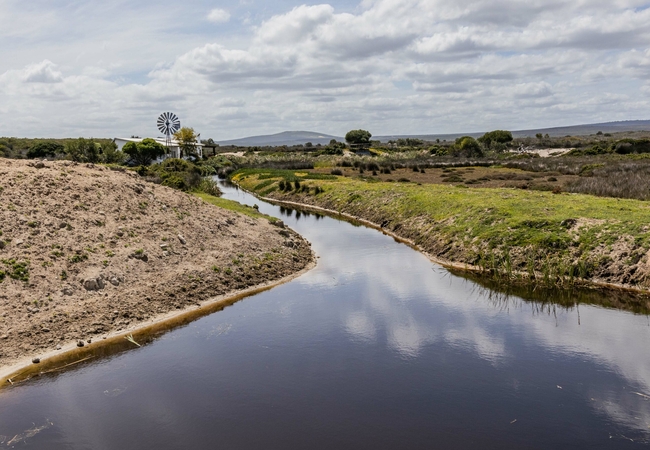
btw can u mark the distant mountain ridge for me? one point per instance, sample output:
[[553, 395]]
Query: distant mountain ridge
[[302, 137], [284, 138], [573, 130]]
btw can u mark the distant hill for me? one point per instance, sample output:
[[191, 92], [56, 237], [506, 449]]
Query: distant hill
[[284, 138], [581, 130], [302, 137], [573, 130]]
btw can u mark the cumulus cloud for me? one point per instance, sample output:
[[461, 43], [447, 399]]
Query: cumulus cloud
[[218, 16], [43, 72], [394, 66]]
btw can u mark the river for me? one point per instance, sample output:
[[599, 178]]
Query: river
[[375, 348]]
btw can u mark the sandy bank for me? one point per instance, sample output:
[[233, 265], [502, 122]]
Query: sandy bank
[[89, 253]]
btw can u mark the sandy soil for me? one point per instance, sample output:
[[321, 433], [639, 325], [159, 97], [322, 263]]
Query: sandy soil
[[548, 152], [86, 251]]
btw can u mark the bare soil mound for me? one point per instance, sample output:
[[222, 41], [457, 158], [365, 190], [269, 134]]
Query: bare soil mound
[[85, 251]]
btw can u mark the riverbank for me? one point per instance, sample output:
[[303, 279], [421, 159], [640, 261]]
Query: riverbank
[[516, 236], [87, 253]]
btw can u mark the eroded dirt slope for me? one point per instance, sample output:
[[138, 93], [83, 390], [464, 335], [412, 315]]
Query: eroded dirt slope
[[85, 250]]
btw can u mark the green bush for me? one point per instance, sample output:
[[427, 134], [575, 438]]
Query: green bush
[[145, 152], [44, 149], [467, 146], [626, 146], [175, 182], [83, 150]]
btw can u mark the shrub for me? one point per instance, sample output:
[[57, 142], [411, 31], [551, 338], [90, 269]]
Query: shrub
[[626, 146], [145, 152], [336, 172], [467, 146], [209, 186], [175, 182], [496, 140], [44, 149], [110, 153], [83, 150]]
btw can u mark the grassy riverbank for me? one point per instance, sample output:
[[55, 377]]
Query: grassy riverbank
[[516, 235]]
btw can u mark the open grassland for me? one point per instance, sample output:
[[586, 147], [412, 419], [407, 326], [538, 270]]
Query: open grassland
[[513, 234], [607, 175]]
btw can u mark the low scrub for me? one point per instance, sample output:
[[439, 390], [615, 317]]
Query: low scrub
[[182, 175]]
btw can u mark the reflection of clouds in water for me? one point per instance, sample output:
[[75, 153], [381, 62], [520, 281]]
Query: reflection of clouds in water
[[360, 326], [489, 348], [626, 407], [389, 278], [416, 306], [401, 293], [614, 338], [409, 338]]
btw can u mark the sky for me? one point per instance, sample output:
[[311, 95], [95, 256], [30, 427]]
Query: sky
[[235, 68]]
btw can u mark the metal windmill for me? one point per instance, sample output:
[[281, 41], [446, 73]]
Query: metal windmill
[[168, 124]]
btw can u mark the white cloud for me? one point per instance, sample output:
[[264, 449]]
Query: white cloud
[[394, 66], [43, 72], [218, 16]]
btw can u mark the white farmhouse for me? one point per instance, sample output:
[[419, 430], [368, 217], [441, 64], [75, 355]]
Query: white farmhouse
[[174, 149]]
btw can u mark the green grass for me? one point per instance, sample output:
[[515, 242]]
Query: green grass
[[230, 205], [18, 270], [501, 230], [288, 175]]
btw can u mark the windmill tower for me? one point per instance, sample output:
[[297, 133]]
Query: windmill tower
[[168, 124]]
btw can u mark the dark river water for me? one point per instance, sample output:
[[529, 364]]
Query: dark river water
[[376, 348]]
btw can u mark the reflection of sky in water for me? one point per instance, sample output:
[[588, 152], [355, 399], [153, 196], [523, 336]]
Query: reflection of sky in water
[[393, 288], [375, 335]]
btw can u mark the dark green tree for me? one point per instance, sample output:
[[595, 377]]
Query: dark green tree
[[44, 149], [467, 146], [110, 153], [358, 137], [495, 137], [83, 150], [145, 152]]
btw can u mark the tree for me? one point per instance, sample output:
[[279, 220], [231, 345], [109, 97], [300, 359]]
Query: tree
[[358, 137], [83, 150], [145, 152], [409, 142], [110, 153], [495, 137], [187, 140], [539, 136], [44, 149], [467, 146]]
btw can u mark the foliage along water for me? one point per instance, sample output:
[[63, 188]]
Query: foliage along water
[[375, 348]]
